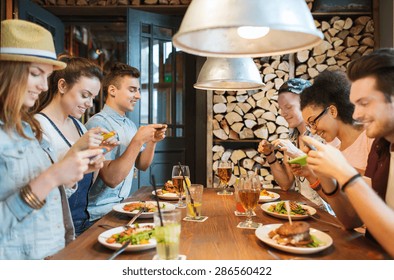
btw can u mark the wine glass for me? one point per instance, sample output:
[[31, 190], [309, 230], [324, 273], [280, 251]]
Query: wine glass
[[224, 172], [177, 181], [249, 194]]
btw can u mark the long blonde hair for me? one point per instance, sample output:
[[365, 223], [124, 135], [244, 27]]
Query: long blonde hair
[[13, 86]]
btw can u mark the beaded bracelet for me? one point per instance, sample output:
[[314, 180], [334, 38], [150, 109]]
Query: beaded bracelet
[[315, 185], [30, 198], [351, 180]]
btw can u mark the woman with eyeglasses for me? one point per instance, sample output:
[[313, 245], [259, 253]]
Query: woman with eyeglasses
[[292, 176], [327, 111]]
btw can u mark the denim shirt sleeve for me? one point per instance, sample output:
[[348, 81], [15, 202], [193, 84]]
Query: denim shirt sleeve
[[21, 160]]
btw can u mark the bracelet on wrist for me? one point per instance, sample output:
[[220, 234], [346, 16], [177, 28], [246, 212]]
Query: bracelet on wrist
[[268, 154], [332, 192], [30, 198], [316, 185], [350, 181], [272, 162]]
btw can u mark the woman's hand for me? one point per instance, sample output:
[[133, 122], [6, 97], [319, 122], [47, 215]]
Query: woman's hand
[[289, 148], [74, 165], [303, 171], [265, 148], [328, 161], [91, 139]]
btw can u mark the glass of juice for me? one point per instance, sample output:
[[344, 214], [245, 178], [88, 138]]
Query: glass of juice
[[194, 201], [167, 235]]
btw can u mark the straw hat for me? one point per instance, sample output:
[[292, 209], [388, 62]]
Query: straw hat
[[27, 42]]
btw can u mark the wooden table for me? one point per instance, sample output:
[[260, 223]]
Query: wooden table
[[218, 238]]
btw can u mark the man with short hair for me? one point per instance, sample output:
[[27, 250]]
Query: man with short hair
[[136, 146], [372, 93]]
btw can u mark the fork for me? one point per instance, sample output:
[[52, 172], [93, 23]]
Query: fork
[[120, 250]]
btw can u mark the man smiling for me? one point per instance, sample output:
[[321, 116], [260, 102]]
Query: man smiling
[[372, 93], [121, 88]]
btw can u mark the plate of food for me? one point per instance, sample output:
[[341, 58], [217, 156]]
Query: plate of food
[[168, 192], [297, 211], [267, 196], [297, 238], [132, 208], [141, 236]]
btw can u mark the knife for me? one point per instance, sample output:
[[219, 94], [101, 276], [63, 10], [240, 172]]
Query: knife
[[120, 250]]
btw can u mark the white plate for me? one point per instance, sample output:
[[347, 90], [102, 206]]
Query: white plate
[[264, 198], [106, 234], [167, 207], [262, 234], [311, 210], [167, 196]]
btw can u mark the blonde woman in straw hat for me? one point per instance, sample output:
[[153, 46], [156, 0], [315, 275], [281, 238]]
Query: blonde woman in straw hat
[[35, 216]]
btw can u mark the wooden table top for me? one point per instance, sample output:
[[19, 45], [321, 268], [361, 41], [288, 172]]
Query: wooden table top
[[218, 238]]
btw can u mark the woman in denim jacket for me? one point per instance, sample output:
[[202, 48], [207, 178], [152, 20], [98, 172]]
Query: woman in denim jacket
[[34, 213]]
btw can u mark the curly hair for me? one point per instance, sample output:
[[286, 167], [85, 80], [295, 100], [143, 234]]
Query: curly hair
[[378, 64], [330, 88]]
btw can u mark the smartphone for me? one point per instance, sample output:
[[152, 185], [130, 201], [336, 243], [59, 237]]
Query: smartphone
[[107, 135], [311, 147], [92, 159], [299, 160], [162, 126]]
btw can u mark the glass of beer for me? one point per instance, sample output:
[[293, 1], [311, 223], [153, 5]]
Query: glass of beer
[[224, 172], [178, 182], [249, 194]]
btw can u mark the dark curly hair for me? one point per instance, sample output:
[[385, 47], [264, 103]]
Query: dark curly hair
[[378, 64], [330, 88]]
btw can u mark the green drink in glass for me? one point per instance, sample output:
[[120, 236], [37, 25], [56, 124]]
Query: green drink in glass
[[167, 236]]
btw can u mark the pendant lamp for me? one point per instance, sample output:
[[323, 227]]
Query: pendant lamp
[[246, 28], [220, 73]]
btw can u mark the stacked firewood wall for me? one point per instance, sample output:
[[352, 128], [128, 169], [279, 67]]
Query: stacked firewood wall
[[345, 39], [111, 3], [249, 116]]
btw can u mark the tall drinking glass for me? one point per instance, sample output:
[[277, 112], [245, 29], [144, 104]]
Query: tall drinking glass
[[167, 235], [177, 181], [249, 194], [224, 172]]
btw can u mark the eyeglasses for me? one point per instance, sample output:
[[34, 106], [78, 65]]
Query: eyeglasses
[[313, 123]]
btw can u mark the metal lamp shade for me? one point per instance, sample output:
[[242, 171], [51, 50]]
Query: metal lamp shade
[[210, 28], [220, 73]]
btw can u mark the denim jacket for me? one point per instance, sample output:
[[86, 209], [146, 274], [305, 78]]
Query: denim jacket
[[101, 197], [26, 233]]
